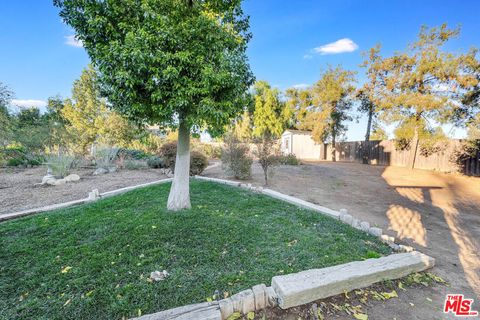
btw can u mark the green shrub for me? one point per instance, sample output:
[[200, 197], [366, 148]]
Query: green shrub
[[198, 163], [17, 156], [60, 164], [168, 154], [236, 159], [210, 150], [135, 164], [132, 154], [155, 162], [106, 157], [289, 159]]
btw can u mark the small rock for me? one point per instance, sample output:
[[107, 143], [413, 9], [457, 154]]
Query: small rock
[[365, 226], [355, 223], [377, 232], [47, 177], [59, 182], [51, 181], [72, 178], [387, 239], [100, 171], [159, 275], [403, 248], [112, 169], [346, 218]]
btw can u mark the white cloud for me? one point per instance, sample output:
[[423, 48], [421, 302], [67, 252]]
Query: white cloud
[[307, 56], [301, 86], [339, 46], [28, 103], [73, 41]]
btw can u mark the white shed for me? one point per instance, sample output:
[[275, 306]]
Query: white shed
[[301, 144]]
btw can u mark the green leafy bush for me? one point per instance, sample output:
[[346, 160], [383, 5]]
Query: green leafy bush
[[133, 154], [289, 159], [132, 164], [106, 157], [60, 164], [198, 163], [155, 162], [168, 154], [236, 159], [210, 150], [18, 156]]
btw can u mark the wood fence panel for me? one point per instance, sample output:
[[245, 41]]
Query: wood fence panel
[[384, 153]]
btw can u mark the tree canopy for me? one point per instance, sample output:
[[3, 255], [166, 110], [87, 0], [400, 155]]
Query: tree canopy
[[161, 60]]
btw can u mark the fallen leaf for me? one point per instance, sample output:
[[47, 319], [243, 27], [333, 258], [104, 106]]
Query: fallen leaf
[[390, 295], [66, 269], [67, 302], [360, 316], [234, 316], [251, 315]]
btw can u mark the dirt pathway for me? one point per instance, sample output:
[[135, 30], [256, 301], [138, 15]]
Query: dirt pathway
[[439, 214]]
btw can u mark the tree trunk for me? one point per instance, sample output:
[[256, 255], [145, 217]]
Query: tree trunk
[[415, 142], [179, 197], [367, 137], [334, 158]]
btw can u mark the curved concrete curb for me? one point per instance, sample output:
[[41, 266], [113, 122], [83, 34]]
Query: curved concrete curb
[[92, 196]]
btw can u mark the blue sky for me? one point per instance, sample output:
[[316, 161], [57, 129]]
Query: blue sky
[[36, 60]]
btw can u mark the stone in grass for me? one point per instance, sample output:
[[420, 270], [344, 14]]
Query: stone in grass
[[346, 218], [72, 177], [159, 275], [364, 226], [355, 223], [374, 231]]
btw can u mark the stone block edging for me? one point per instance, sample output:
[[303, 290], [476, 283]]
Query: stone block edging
[[303, 287], [341, 215], [92, 196]]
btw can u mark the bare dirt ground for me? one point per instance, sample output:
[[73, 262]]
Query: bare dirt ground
[[18, 189], [438, 214]]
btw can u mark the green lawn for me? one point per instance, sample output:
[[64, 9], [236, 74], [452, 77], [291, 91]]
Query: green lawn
[[230, 240]]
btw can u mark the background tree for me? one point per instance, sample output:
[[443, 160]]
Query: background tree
[[6, 120], [86, 112], [87, 117], [331, 103], [268, 114], [170, 62], [426, 83], [378, 134], [297, 105]]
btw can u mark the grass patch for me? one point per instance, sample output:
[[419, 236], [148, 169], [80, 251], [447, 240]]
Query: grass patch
[[230, 240]]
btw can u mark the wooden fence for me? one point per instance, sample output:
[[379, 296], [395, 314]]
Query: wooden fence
[[385, 153]]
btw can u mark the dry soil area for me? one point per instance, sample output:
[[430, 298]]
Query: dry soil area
[[20, 189], [438, 214]]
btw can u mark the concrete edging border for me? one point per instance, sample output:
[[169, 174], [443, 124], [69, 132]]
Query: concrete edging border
[[300, 288], [92, 196]]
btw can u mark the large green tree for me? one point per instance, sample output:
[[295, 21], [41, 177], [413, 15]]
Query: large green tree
[[268, 114], [331, 102], [427, 83], [171, 62]]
